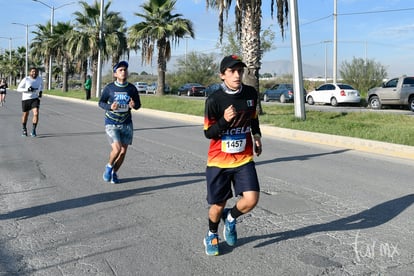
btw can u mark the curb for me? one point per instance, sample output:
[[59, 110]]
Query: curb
[[363, 145], [358, 144]]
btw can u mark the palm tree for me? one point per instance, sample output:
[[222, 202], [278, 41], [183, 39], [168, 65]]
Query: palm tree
[[40, 48], [159, 29], [4, 64], [20, 58], [13, 68], [115, 39], [248, 16], [59, 42], [84, 41]]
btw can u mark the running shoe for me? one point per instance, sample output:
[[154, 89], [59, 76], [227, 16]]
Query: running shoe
[[33, 134], [107, 173], [114, 179], [229, 231], [211, 242], [24, 132]]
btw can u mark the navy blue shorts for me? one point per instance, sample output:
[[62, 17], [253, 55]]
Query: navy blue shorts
[[219, 182]]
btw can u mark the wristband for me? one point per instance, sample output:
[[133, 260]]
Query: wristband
[[257, 136]]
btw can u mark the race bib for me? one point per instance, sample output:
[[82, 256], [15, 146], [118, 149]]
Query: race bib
[[122, 98], [233, 143], [122, 107]]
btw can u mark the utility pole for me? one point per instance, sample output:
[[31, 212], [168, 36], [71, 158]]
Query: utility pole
[[99, 73], [335, 46], [297, 62], [326, 59]]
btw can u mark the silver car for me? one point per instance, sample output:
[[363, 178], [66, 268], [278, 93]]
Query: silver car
[[141, 87]]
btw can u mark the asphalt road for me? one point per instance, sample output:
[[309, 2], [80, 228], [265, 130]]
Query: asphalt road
[[323, 210]]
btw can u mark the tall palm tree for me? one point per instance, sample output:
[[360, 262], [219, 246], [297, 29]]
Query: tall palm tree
[[4, 64], [248, 16], [40, 48], [12, 68], [159, 29], [20, 59], [59, 44], [115, 39], [84, 41]]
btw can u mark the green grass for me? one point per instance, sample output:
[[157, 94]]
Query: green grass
[[385, 127]]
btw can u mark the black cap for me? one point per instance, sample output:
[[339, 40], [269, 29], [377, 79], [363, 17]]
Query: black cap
[[120, 64], [230, 62]]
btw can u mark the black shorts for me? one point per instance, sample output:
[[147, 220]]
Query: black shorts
[[29, 104], [219, 182]]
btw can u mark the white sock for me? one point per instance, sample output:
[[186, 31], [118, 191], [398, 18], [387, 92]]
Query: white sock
[[229, 217], [210, 233]]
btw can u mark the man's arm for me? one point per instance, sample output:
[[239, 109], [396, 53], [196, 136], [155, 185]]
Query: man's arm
[[22, 86]]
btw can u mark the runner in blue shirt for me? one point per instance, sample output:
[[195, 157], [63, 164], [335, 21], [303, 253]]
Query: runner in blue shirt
[[118, 98]]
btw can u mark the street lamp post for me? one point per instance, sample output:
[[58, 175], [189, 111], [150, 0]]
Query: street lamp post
[[27, 45], [52, 17], [326, 58], [99, 73]]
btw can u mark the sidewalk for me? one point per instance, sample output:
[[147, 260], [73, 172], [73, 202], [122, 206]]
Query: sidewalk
[[387, 149]]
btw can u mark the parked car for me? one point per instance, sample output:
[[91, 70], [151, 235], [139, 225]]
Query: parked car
[[152, 88], [397, 91], [334, 94], [141, 87], [211, 88], [282, 92], [191, 89]]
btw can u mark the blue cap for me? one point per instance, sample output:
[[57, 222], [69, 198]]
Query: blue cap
[[120, 64]]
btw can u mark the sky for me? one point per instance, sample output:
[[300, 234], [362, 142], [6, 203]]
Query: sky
[[379, 30]]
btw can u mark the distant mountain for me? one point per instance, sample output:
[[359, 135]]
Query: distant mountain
[[283, 67]]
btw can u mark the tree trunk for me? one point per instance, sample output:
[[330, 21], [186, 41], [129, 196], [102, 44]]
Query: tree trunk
[[94, 76], [65, 75], [250, 38], [47, 63], [84, 71], [161, 67]]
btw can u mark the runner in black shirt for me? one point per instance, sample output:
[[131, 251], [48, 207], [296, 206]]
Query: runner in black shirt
[[232, 125]]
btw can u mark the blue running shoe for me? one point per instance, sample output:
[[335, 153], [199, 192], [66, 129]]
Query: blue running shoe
[[229, 231], [107, 173], [33, 134], [114, 179], [211, 242]]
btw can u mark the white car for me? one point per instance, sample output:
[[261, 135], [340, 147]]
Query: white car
[[334, 94], [141, 87], [151, 88]]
